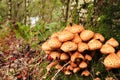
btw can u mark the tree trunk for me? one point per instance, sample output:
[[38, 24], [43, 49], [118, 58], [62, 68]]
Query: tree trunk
[[67, 10], [27, 17]]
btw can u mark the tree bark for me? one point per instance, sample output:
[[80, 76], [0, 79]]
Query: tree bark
[[67, 11], [27, 17], [9, 9]]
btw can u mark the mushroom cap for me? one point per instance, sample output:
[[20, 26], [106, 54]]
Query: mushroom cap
[[51, 65], [55, 55], [55, 35], [88, 57], [112, 61], [106, 49], [86, 35], [112, 42], [75, 70], [64, 56], [58, 66], [73, 64], [67, 72], [46, 46], [65, 36], [47, 52], [76, 28], [83, 64], [69, 67], [54, 43], [118, 53], [76, 39], [99, 37], [85, 73], [94, 44], [68, 46], [82, 46], [76, 55]]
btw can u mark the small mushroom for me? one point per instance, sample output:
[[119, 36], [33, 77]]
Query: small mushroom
[[67, 72], [76, 55], [54, 43], [82, 46], [88, 57], [112, 42], [99, 37], [55, 55], [75, 70], [68, 46], [112, 61], [83, 65], [55, 35], [106, 49], [47, 52], [86, 35], [73, 64], [85, 73], [94, 44], [69, 67], [46, 47], [58, 66], [65, 36], [76, 39], [51, 65], [64, 56]]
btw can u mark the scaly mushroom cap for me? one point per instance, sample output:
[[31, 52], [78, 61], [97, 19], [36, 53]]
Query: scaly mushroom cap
[[76, 28], [83, 64], [106, 49], [118, 53], [76, 39], [46, 46], [94, 44], [76, 55], [65, 36], [55, 35], [64, 56], [88, 57], [86, 35], [112, 61], [99, 37], [82, 46], [55, 55], [112, 42], [75, 70], [68, 46], [54, 43], [85, 73]]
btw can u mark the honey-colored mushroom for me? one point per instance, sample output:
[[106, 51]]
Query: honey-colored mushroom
[[54, 43], [73, 64], [64, 56], [86, 35], [94, 44], [75, 70], [106, 49], [69, 67], [82, 46], [88, 57], [47, 52], [65, 36], [76, 39], [76, 55], [58, 66], [55, 35], [85, 73], [55, 55], [83, 64], [46, 47], [112, 42], [68, 46], [112, 61], [118, 53], [67, 72], [51, 65], [99, 37]]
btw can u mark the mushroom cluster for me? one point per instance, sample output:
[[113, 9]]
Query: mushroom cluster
[[77, 46]]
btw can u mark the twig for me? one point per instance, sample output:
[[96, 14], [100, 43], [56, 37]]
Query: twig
[[53, 78]]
